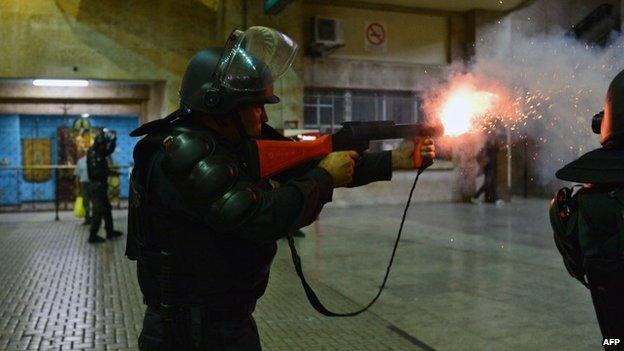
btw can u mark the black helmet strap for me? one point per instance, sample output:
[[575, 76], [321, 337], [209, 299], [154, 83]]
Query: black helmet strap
[[240, 128]]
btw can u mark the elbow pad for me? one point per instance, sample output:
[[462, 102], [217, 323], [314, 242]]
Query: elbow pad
[[563, 209], [237, 206]]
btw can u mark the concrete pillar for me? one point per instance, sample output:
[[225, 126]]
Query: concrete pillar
[[462, 36], [348, 115], [621, 14]]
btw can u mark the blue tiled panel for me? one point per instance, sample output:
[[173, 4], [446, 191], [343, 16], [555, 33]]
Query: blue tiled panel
[[122, 156], [13, 129], [10, 155], [41, 127]]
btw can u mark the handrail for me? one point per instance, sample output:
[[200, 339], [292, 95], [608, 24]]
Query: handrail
[[122, 169], [53, 167]]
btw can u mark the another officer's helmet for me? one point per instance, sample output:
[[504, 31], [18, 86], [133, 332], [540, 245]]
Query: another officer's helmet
[[219, 79], [612, 124], [106, 140]]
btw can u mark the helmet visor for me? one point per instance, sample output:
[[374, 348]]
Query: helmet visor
[[256, 58]]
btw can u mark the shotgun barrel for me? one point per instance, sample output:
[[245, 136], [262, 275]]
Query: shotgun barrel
[[382, 130], [357, 135]]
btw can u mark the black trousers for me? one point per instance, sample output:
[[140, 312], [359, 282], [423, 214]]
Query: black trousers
[[195, 330], [101, 208], [606, 282], [489, 183], [85, 191]]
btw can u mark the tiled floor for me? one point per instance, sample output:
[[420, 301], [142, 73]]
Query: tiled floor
[[466, 277]]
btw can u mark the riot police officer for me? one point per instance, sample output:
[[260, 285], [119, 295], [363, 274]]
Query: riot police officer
[[97, 168], [202, 224], [588, 220]]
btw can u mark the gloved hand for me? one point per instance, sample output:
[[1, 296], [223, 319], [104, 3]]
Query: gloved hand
[[340, 165], [403, 156]]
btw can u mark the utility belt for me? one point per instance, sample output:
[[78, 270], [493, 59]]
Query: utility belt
[[213, 306], [206, 313]]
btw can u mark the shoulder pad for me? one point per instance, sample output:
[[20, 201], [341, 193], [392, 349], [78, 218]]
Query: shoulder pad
[[184, 150], [237, 206], [212, 176]]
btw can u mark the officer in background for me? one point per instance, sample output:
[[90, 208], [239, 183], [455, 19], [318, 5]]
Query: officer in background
[[202, 225], [97, 168], [588, 220]]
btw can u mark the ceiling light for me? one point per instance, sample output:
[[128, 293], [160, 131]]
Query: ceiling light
[[61, 82]]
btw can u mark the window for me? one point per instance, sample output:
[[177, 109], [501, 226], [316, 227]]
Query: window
[[323, 110], [326, 110]]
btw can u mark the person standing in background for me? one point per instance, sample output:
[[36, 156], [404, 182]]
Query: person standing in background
[[487, 160], [82, 177]]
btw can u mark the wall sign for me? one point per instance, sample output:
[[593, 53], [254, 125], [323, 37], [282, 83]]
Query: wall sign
[[376, 36]]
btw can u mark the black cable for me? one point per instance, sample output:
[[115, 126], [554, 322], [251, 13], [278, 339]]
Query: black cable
[[311, 295]]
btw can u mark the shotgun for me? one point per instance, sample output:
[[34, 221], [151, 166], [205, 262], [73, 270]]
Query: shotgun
[[275, 156]]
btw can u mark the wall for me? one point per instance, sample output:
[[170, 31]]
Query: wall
[[411, 37], [89, 39], [364, 74], [410, 56], [139, 40]]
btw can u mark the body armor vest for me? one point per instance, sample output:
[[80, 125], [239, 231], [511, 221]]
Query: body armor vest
[[183, 259]]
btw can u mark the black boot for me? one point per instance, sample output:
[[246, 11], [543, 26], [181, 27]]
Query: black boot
[[94, 239], [113, 234]]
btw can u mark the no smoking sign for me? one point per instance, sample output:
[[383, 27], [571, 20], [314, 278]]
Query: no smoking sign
[[375, 36]]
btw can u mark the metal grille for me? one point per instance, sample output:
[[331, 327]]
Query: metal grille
[[19, 195]]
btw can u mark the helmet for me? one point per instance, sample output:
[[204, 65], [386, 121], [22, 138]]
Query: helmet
[[612, 124], [219, 79], [106, 141]]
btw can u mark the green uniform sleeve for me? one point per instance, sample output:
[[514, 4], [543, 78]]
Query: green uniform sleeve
[[274, 214], [369, 167], [294, 205], [298, 202], [372, 167]]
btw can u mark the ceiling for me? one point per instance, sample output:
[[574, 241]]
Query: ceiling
[[452, 5]]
